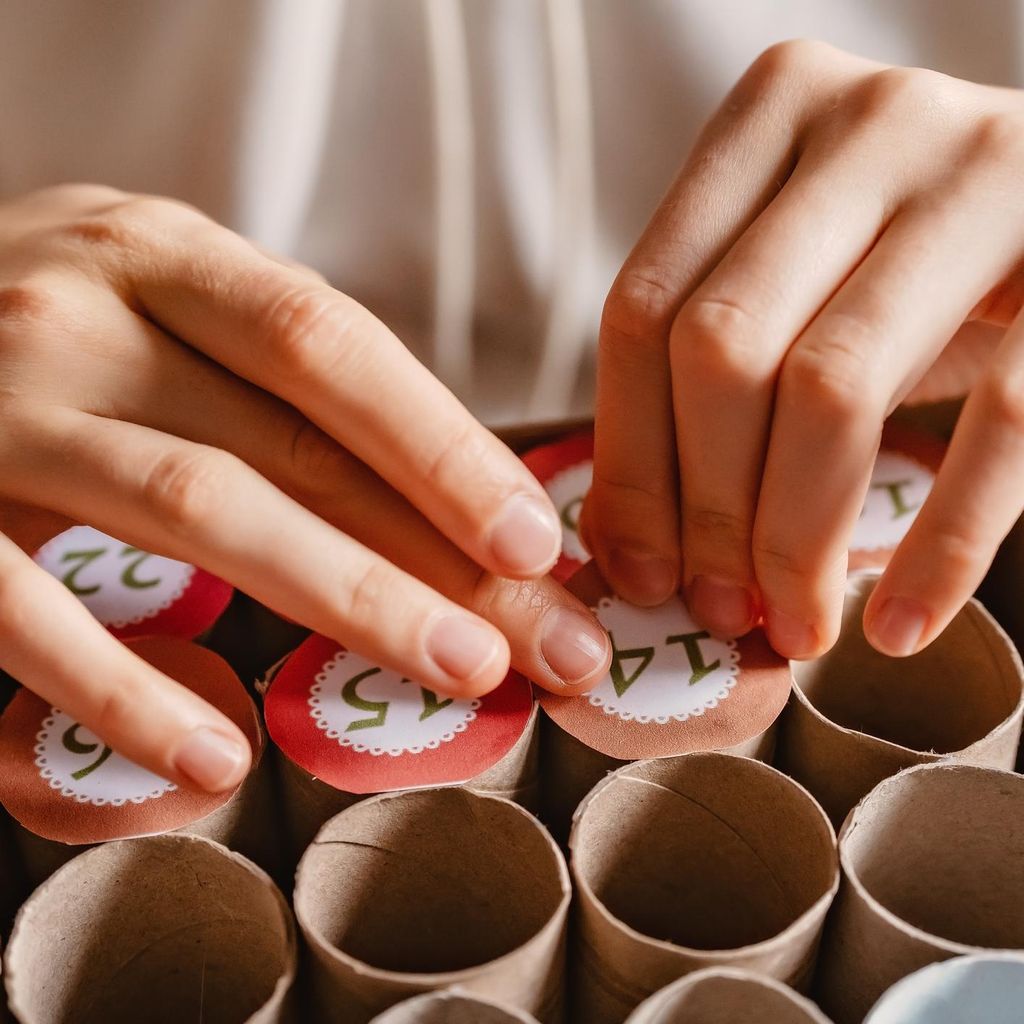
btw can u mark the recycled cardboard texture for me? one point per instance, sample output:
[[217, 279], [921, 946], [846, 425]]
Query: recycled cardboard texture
[[987, 988], [68, 797], [451, 1008], [726, 995], [671, 689], [413, 892], [166, 929], [689, 862], [347, 728], [857, 717], [933, 866]]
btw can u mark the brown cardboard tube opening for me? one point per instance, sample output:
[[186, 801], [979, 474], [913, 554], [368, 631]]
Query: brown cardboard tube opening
[[947, 697], [451, 1008], [942, 848], [167, 929], [706, 851], [429, 881]]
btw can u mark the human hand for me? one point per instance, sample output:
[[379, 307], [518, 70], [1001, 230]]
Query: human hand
[[168, 383], [836, 223]]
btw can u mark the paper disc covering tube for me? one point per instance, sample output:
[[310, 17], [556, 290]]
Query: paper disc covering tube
[[858, 716], [671, 689], [451, 1007], [412, 892], [702, 860], [726, 995], [68, 789], [987, 988], [565, 468], [933, 867], [132, 592], [348, 728], [164, 930]]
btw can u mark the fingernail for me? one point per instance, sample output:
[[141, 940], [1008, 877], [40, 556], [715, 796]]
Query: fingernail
[[461, 646], [721, 607], [642, 578], [574, 645], [789, 636], [896, 629], [527, 536], [213, 761]]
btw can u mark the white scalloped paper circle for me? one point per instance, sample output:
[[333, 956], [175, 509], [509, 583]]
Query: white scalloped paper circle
[[565, 487], [899, 486], [115, 782], [662, 693], [406, 723], [115, 604]]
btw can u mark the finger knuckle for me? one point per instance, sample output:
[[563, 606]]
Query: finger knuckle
[[895, 93], [17, 583], [639, 308], [315, 459], [715, 339], [187, 489], [29, 301], [716, 528], [831, 379], [454, 452], [116, 712], [775, 558], [999, 138], [373, 591], [82, 194], [780, 61], [309, 329]]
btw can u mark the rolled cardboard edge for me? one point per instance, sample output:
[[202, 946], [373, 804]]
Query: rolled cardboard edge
[[841, 765], [761, 997], [452, 1007], [570, 770], [788, 956], [278, 1008], [908, 1002], [350, 990], [310, 802], [867, 948]]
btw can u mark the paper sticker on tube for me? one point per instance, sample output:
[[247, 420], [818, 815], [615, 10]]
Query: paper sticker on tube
[[133, 592], [366, 729], [62, 782]]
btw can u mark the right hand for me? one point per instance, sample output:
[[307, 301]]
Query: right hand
[[168, 383]]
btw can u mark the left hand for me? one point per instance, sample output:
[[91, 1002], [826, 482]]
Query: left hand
[[836, 224]]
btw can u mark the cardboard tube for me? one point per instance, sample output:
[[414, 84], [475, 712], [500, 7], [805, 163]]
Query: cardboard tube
[[671, 689], [726, 995], [857, 717], [68, 791], [702, 860], [451, 1008], [166, 929], [987, 987], [346, 729], [413, 892], [933, 867]]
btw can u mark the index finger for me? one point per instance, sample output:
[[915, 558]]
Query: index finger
[[346, 371]]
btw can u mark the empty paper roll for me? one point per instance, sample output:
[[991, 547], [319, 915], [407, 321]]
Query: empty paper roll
[[986, 988], [702, 860], [857, 716], [347, 728], [726, 995], [67, 789], [132, 592], [933, 867], [167, 929], [451, 1007], [671, 688], [419, 891]]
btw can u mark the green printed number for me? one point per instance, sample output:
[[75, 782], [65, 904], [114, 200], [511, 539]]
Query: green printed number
[[894, 490], [76, 746], [570, 514], [129, 576], [350, 695], [699, 669]]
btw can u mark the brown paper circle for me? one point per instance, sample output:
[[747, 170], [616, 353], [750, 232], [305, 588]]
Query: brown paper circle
[[761, 691], [46, 811]]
